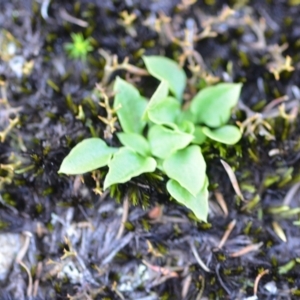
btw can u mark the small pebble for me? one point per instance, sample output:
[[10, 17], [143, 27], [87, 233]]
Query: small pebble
[[11, 244]]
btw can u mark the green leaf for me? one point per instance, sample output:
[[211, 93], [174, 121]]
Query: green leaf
[[164, 68], [186, 115], [165, 112], [159, 95], [127, 164], [198, 204], [135, 142], [187, 127], [164, 141], [86, 156], [212, 105], [161, 109], [199, 136], [227, 134], [188, 168], [132, 106], [160, 164]]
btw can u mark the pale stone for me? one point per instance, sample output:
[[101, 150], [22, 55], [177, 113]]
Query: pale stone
[[10, 245]]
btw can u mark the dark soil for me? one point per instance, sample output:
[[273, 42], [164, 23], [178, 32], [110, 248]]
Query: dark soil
[[156, 256]]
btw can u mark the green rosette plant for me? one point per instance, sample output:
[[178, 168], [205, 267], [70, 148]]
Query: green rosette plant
[[160, 134], [79, 48]]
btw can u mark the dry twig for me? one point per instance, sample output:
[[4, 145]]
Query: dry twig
[[257, 279], [233, 179], [19, 260], [198, 259], [227, 233], [247, 249], [67, 17], [222, 203], [124, 217]]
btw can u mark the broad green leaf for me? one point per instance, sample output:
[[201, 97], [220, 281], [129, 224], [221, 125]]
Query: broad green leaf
[[159, 163], [135, 142], [164, 68], [186, 115], [159, 95], [127, 164], [163, 141], [227, 134], [130, 106], [187, 127], [197, 204], [199, 136], [86, 156], [165, 112], [188, 168], [212, 105]]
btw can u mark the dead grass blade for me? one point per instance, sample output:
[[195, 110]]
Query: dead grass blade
[[233, 179]]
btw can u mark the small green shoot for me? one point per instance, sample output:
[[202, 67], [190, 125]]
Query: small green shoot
[[79, 48]]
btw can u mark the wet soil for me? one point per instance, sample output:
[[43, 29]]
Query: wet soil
[[249, 247]]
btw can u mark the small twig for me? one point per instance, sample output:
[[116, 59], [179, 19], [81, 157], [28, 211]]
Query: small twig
[[3, 99], [162, 25], [127, 20], [290, 194], [11, 125], [275, 102], [115, 289], [21, 255], [167, 219], [259, 30], [247, 249], [233, 179], [257, 279], [202, 279], [186, 286], [58, 266], [162, 270], [152, 250], [24, 249], [29, 288], [44, 9], [291, 116], [121, 244], [124, 217], [281, 65], [227, 233], [65, 15], [221, 280], [68, 253], [265, 114], [160, 280], [200, 262], [256, 121], [37, 280], [225, 13], [222, 203], [109, 120], [112, 65]]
